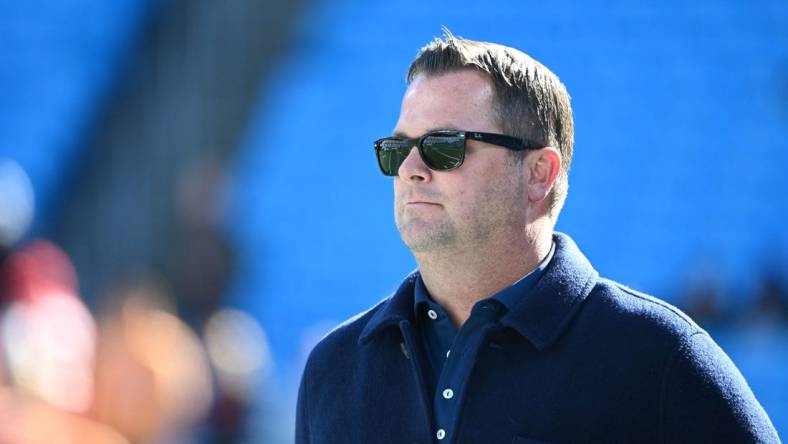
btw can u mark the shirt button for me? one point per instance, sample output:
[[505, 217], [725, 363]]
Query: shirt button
[[441, 434], [432, 314], [448, 393]]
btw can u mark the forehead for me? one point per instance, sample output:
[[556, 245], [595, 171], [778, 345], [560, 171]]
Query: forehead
[[459, 100]]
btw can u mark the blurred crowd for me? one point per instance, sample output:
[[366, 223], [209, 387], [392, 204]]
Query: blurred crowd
[[708, 299], [139, 365]]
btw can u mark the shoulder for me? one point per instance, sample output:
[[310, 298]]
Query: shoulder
[[632, 329], [700, 391], [640, 314], [346, 342], [343, 340]]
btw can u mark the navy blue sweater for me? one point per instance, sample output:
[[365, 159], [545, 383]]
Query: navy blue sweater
[[579, 359]]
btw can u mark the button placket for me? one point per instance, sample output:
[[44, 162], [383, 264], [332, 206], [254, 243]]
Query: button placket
[[455, 374]]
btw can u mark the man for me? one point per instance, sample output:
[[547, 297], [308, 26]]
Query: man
[[505, 333]]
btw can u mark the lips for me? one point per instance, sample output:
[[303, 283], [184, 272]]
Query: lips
[[421, 202], [409, 198]]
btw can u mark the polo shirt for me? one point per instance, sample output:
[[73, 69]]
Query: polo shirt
[[444, 372]]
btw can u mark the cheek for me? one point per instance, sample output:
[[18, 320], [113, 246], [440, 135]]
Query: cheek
[[499, 193], [462, 198], [399, 196], [398, 188], [476, 186]]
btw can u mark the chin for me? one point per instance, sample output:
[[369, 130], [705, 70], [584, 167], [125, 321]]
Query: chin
[[424, 242]]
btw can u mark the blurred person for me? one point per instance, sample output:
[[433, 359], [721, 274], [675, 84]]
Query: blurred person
[[47, 345], [505, 332], [152, 377], [142, 375], [17, 205], [202, 266], [17, 208], [202, 256], [240, 354], [703, 295], [771, 300], [26, 420], [47, 334]]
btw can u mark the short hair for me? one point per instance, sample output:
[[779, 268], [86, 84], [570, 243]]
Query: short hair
[[530, 101]]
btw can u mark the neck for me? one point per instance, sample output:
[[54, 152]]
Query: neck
[[458, 278]]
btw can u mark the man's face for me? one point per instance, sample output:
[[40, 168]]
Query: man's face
[[480, 202]]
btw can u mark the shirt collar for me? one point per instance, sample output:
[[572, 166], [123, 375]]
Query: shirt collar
[[508, 296], [392, 311], [420, 295], [540, 316]]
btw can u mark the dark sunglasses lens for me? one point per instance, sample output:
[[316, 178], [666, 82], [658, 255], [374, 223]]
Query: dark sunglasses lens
[[391, 153], [443, 152]]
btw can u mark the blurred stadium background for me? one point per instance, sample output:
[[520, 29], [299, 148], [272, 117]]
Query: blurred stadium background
[[189, 198]]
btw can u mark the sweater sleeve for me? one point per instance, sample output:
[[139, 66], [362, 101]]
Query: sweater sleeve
[[706, 399]]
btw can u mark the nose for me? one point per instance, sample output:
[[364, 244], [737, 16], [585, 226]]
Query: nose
[[413, 168]]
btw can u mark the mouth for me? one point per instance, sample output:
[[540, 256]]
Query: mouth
[[421, 202], [413, 198]]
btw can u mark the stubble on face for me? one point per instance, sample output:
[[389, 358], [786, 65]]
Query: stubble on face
[[490, 212], [419, 232]]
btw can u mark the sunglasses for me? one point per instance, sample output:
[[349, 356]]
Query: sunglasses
[[442, 150]]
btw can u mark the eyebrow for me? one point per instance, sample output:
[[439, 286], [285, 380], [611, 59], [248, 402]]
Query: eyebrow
[[432, 130]]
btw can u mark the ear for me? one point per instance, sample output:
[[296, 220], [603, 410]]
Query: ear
[[543, 167]]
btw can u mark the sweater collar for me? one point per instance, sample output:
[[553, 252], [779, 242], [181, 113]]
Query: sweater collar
[[540, 316]]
